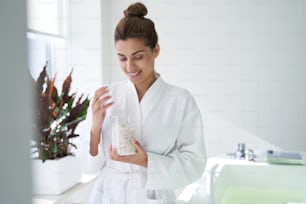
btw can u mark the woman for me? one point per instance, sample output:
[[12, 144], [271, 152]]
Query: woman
[[170, 151]]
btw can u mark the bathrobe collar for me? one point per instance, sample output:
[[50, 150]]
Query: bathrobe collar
[[151, 97]]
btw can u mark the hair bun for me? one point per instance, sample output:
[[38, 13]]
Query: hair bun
[[136, 10]]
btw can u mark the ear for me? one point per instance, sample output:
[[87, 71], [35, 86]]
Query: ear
[[156, 50]]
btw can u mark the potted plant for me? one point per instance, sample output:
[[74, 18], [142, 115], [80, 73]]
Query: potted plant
[[57, 115]]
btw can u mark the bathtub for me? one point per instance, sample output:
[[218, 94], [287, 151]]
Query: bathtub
[[233, 181]]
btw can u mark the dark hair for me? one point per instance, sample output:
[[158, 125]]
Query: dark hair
[[135, 25]]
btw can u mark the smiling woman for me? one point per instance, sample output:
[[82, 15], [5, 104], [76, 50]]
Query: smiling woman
[[137, 62], [168, 139]]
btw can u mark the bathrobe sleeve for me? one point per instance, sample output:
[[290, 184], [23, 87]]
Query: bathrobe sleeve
[[88, 163], [186, 162]]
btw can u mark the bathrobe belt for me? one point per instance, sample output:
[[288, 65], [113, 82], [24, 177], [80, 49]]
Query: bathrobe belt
[[137, 177]]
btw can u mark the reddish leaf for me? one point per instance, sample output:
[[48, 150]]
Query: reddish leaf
[[66, 86]]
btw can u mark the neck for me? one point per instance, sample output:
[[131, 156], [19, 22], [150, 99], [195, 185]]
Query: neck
[[142, 88]]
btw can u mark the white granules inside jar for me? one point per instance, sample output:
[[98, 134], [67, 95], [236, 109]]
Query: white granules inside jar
[[124, 138]]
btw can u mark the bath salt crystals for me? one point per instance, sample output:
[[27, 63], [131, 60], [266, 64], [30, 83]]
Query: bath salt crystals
[[125, 136], [122, 135]]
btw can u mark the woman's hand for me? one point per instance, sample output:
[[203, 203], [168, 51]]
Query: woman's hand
[[98, 108], [140, 158]]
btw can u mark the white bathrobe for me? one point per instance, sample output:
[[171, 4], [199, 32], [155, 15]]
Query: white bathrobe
[[170, 129]]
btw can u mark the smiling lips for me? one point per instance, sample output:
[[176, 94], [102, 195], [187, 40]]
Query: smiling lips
[[134, 74]]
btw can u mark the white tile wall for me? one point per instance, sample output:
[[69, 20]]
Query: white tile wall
[[244, 61], [84, 45]]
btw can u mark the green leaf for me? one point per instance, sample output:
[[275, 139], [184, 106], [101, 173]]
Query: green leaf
[[45, 155], [73, 145], [54, 148]]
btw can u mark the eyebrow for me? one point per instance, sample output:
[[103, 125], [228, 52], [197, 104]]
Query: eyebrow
[[134, 53]]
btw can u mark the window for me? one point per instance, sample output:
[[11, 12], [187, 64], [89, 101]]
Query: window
[[45, 30], [46, 16], [40, 50]]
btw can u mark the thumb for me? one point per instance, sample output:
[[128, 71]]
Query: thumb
[[137, 145]]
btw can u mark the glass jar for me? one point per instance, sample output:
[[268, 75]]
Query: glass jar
[[122, 135]]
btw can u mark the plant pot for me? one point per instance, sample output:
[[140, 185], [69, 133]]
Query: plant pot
[[53, 177]]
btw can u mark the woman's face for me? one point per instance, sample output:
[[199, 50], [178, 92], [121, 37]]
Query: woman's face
[[137, 61]]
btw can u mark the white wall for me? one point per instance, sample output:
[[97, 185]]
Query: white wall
[[81, 47], [16, 100], [85, 43], [244, 61]]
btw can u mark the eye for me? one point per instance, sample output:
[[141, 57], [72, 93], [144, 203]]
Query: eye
[[121, 58], [138, 57]]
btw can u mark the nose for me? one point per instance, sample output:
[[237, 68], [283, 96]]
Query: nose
[[130, 66]]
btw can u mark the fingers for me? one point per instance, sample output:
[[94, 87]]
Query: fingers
[[100, 92], [103, 103], [115, 156], [140, 158], [112, 153], [101, 99]]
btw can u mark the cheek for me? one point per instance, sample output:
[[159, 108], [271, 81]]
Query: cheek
[[146, 63], [122, 65], [149, 64]]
